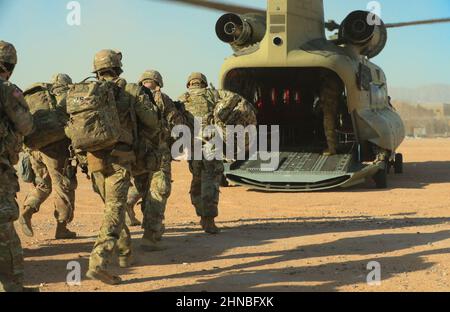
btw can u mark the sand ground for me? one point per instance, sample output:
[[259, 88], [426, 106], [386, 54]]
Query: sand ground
[[276, 242]]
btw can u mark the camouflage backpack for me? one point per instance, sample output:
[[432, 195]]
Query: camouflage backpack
[[233, 110], [198, 103], [94, 122], [48, 116]]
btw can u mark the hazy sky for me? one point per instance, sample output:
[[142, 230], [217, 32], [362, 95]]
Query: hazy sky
[[178, 39]]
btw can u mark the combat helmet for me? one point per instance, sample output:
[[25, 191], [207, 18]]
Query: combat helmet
[[152, 75], [199, 76], [61, 79], [106, 59], [8, 55]]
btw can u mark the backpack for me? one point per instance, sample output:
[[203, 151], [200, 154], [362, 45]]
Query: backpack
[[94, 122], [232, 109], [49, 117]]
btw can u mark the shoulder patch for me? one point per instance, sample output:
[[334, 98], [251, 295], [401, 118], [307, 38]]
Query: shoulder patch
[[17, 93]]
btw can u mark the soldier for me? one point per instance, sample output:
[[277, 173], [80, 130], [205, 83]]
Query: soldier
[[329, 96], [52, 173], [111, 167], [200, 102], [155, 186], [15, 122]]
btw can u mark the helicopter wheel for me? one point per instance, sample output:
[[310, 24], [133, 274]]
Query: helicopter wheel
[[398, 164], [380, 178]]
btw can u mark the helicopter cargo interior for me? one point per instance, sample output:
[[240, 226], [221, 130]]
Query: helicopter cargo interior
[[289, 98]]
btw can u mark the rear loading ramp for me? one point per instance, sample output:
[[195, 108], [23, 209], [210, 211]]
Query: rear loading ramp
[[300, 171]]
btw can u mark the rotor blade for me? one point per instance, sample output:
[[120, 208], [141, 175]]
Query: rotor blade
[[218, 6], [424, 22]]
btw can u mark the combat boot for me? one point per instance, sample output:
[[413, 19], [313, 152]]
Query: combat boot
[[130, 216], [103, 276], [126, 261], [132, 221], [159, 234], [331, 140], [329, 152], [209, 226], [149, 242], [62, 232], [25, 221]]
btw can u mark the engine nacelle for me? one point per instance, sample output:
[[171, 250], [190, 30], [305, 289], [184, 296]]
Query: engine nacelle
[[364, 30], [241, 31]]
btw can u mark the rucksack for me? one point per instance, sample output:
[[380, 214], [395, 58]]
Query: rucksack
[[48, 117], [234, 110], [94, 122]]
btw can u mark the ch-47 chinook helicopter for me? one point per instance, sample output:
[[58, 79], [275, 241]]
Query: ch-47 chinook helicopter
[[280, 56]]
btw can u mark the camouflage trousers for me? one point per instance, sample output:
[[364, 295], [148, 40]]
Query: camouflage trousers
[[49, 167], [11, 257], [112, 183], [205, 186], [154, 188], [330, 94]]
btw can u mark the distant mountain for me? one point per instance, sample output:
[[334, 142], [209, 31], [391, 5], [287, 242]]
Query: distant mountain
[[425, 94]]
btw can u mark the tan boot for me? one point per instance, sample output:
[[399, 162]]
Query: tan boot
[[209, 226], [130, 216], [132, 221], [150, 243], [62, 232], [329, 152], [126, 261], [25, 221], [160, 233], [104, 277], [331, 140]]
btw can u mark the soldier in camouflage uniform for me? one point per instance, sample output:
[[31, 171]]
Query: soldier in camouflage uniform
[[155, 185], [330, 94], [200, 102], [15, 122], [111, 168], [51, 166]]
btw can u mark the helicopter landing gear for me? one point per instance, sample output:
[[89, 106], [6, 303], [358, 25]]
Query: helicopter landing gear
[[396, 163], [380, 178]]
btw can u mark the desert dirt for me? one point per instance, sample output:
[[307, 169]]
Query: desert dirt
[[275, 241]]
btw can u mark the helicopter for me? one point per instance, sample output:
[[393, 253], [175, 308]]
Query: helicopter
[[280, 57]]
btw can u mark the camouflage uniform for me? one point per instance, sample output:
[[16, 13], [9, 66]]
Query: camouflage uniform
[[329, 96], [155, 185], [111, 169], [154, 204], [50, 166], [15, 122], [207, 175]]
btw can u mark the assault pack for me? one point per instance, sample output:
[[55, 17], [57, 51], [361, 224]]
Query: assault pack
[[94, 122], [49, 116], [233, 109]]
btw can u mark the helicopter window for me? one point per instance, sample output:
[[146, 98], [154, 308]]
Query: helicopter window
[[364, 77], [289, 98], [378, 96]]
